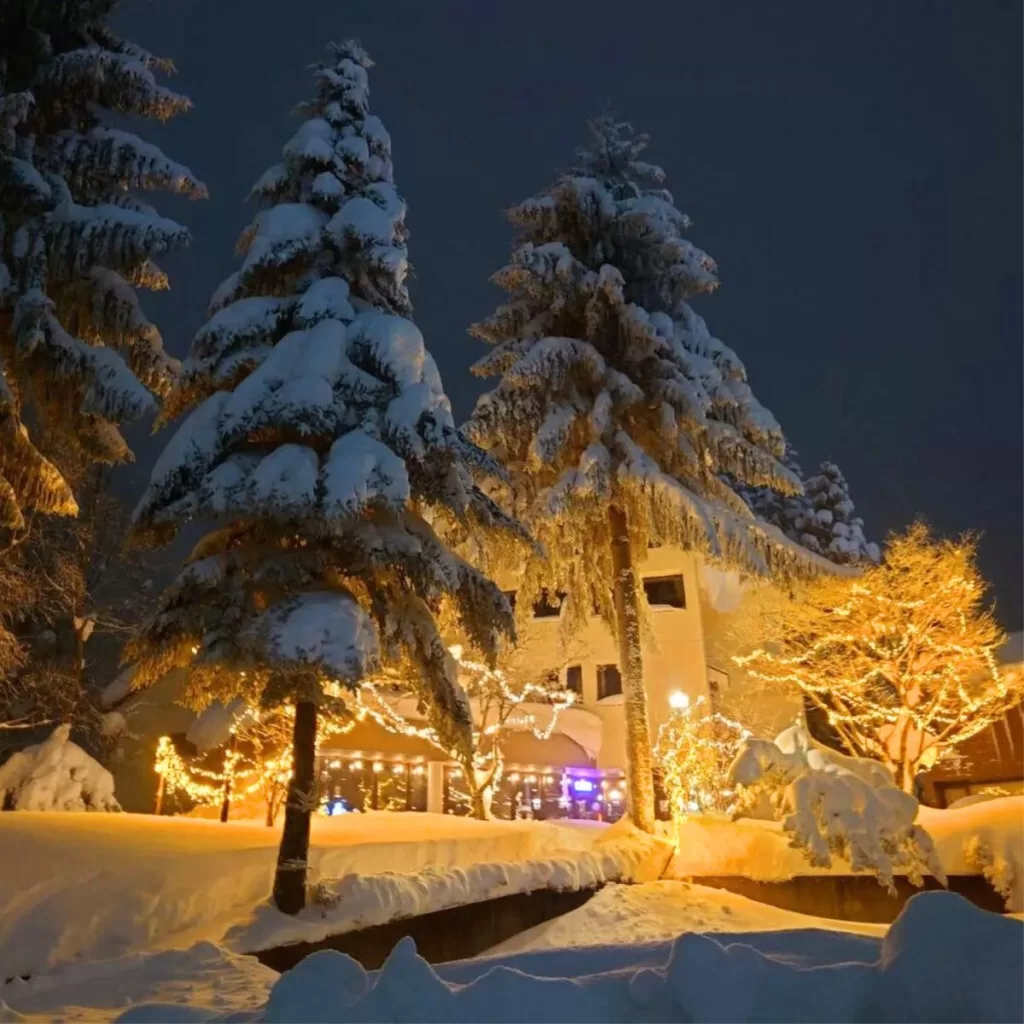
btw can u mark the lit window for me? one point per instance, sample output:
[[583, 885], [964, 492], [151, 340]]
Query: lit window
[[574, 680], [665, 591], [609, 682], [546, 608]]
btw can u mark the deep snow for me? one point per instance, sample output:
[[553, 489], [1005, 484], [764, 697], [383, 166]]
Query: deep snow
[[99, 885]]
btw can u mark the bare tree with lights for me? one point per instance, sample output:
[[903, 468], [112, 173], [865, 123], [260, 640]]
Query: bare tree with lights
[[694, 752], [620, 418], [503, 699], [319, 442], [900, 660]]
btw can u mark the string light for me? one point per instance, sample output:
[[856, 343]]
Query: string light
[[500, 706]]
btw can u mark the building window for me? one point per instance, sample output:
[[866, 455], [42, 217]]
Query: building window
[[574, 681], [665, 591], [718, 682], [609, 682], [547, 608]]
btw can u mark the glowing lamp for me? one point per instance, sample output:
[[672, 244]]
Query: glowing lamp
[[377, 766], [678, 701]]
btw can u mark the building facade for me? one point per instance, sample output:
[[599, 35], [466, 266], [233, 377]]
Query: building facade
[[577, 770]]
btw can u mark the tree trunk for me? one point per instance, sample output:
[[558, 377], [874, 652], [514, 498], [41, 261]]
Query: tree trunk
[[293, 854], [639, 759], [225, 805], [907, 776], [479, 805]]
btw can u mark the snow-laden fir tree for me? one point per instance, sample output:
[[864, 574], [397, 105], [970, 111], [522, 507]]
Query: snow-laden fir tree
[[829, 526], [76, 351], [617, 413], [821, 519], [320, 442]]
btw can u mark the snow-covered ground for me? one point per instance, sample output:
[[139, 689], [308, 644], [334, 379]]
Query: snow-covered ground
[[659, 911], [966, 839], [943, 959], [98, 885]]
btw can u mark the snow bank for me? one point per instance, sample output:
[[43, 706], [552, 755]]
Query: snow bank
[[93, 886], [56, 775], [985, 838], [207, 978], [943, 959], [620, 854]]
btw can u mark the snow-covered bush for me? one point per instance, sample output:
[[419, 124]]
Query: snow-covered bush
[[831, 804], [56, 775]]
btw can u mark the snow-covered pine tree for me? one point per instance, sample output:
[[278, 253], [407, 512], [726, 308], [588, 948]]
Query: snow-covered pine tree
[[320, 442], [76, 351], [618, 414], [780, 509], [828, 525], [821, 519]]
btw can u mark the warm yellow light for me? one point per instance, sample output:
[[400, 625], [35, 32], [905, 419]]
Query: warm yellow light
[[398, 769], [357, 766], [377, 766], [678, 701], [615, 796], [514, 777], [418, 770], [335, 764], [531, 778]]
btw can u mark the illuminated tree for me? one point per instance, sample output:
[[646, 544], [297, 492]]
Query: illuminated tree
[[256, 762], [320, 445], [694, 751], [502, 699], [899, 659], [77, 353], [619, 417]]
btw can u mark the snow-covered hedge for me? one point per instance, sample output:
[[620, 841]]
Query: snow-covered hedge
[[56, 775], [831, 804]]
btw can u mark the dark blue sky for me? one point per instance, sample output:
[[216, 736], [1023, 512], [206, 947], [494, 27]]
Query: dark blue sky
[[855, 169]]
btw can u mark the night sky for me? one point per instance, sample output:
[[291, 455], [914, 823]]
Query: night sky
[[855, 170]]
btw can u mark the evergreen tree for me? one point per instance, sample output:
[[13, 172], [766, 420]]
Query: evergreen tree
[[821, 519], [828, 525], [320, 441], [76, 351], [618, 415]]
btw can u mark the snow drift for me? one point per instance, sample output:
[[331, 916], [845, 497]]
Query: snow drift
[[942, 960], [56, 775]]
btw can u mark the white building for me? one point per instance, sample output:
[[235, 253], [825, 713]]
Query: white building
[[688, 649]]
